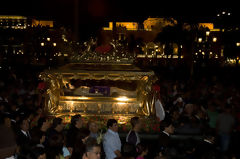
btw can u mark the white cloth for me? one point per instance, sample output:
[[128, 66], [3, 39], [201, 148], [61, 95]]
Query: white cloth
[[160, 113], [111, 143]]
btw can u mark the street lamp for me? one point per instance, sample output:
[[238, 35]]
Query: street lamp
[[48, 39], [42, 44], [238, 44]]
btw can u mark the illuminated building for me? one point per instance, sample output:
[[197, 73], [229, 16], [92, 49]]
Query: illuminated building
[[158, 23], [13, 22], [127, 25], [43, 23]]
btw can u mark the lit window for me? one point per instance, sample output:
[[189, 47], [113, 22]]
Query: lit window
[[207, 33], [214, 39], [199, 40]]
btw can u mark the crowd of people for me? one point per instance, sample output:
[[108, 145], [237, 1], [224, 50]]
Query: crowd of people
[[207, 106]]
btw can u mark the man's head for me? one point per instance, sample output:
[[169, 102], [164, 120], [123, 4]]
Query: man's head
[[76, 121], [93, 127], [92, 149], [24, 124], [136, 124], [57, 124], [167, 126], [112, 125]]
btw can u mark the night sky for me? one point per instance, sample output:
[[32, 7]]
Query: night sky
[[99, 12]]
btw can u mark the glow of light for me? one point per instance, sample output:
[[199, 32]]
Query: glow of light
[[181, 46], [218, 15], [238, 44], [199, 40], [48, 39], [122, 99], [196, 53], [203, 53], [83, 98], [214, 39], [42, 44], [210, 53], [207, 33], [229, 13], [54, 44], [223, 12]]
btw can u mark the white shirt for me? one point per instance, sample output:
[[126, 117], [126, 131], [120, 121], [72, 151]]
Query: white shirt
[[166, 133], [26, 133], [111, 143]]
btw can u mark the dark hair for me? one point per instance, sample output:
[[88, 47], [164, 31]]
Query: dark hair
[[128, 150], [55, 144], [3, 117], [36, 152], [140, 148], [134, 121], [36, 137], [41, 121], [110, 122], [164, 124], [56, 122], [74, 119], [21, 120], [90, 144]]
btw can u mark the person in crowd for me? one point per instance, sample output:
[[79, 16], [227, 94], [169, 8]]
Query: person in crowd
[[207, 148], [35, 153], [111, 142], [224, 127], [75, 127], [164, 141], [8, 144], [128, 151], [38, 139], [79, 143], [142, 150], [92, 149], [54, 149], [56, 128], [93, 128], [132, 136], [5, 119], [23, 136], [43, 124]]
